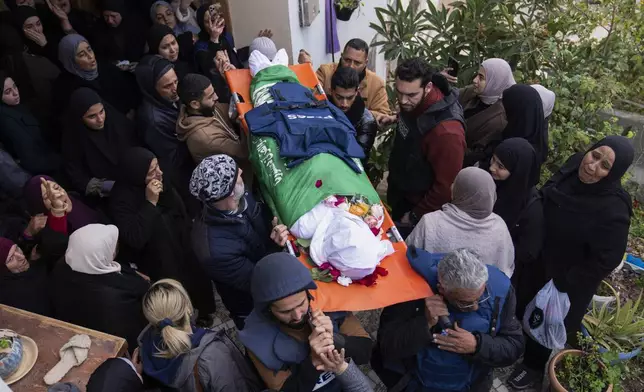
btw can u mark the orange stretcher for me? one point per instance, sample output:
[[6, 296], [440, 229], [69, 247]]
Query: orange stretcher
[[400, 285]]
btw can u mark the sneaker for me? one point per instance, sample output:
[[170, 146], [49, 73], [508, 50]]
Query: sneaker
[[523, 378]]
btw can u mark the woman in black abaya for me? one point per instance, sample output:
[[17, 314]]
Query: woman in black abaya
[[514, 169], [156, 230], [587, 216], [121, 34], [524, 112], [95, 136]]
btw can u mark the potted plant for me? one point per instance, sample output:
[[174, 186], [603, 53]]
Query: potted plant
[[618, 328], [344, 8], [605, 295], [582, 370]]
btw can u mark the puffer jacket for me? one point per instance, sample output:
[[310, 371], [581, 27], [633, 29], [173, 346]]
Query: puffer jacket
[[206, 136], [228, 246]]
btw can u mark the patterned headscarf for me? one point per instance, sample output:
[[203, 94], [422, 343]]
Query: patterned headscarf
[[214, 178]]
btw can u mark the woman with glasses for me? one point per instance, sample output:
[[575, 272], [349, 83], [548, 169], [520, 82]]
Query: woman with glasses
[[452, 340], [468, 222]]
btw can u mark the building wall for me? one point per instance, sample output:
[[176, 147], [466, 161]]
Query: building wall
[[250, 16], [313, 39]]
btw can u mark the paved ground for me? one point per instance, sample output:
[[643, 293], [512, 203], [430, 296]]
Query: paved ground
[[370, 322]]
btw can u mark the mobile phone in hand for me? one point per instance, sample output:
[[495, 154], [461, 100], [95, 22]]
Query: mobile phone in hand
[[453, 64]]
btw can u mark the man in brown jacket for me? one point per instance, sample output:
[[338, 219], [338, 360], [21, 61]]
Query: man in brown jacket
[[372, 88], [204, 123]]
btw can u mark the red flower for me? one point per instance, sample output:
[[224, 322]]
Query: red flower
[[318, 183], [381, 271], [335, 273], [326, 266], [368, 280]]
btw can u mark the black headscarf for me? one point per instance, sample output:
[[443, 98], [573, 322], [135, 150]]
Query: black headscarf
[[114, 6], [148, 72], [135, 165], [114, 375], [124, 42], [112, 138], [21, 14], [566, 189], [11, 41], [155, 36], [524, 112], [518, 156]]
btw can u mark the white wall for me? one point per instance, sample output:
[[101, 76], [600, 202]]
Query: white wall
[[282, 16], [313, 38], [250, 16]]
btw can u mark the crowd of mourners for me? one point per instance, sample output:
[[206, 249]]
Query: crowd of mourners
[[126, 191]]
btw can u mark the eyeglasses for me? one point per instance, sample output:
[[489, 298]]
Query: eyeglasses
[[470, 305]]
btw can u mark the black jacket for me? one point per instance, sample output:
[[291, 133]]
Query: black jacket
[[404, 331], [110, 303], [23, 137], [228, 247], [365, 124]]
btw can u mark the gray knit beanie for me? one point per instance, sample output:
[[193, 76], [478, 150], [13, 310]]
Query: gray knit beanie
[[265, 45]]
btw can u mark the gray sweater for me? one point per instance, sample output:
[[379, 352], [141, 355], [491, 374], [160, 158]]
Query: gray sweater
[[353, 380]]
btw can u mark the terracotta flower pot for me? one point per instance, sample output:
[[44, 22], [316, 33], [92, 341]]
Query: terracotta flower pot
[[555, 385]]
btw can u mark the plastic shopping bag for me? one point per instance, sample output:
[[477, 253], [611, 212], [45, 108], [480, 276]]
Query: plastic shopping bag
[[544, 317]]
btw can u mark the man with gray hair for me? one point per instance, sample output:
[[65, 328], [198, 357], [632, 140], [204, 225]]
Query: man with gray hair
[[452, 340], [232, 233]]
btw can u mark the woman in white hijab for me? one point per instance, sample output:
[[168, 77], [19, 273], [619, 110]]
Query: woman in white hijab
[[483, 109], [468, 222], [92, 290]]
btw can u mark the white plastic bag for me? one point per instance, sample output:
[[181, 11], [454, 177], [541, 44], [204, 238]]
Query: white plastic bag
[[544, 317]]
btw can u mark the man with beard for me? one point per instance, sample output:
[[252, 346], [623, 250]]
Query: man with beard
[[232, 232], [344, 94], [372, 88], [429, 144], [157, 121], [288, 341], [204, 123]]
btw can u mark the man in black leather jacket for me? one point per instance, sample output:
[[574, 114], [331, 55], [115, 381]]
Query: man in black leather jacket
[[344, 94]]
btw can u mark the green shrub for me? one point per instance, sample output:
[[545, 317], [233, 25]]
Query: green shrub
[[587, 74]]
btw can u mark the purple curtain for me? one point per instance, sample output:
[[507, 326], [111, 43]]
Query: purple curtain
[[332, 42]]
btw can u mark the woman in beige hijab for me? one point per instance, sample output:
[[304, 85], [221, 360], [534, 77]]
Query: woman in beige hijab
[[468, 222]]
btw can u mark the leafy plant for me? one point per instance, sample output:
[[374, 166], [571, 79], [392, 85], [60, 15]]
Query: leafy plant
[[350, 4], [605, 289], [588, 372], [321, 276], [619, 327], [550, 42]]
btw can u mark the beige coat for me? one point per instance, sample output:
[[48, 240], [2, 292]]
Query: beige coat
[[371, 89], [206, 136]]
